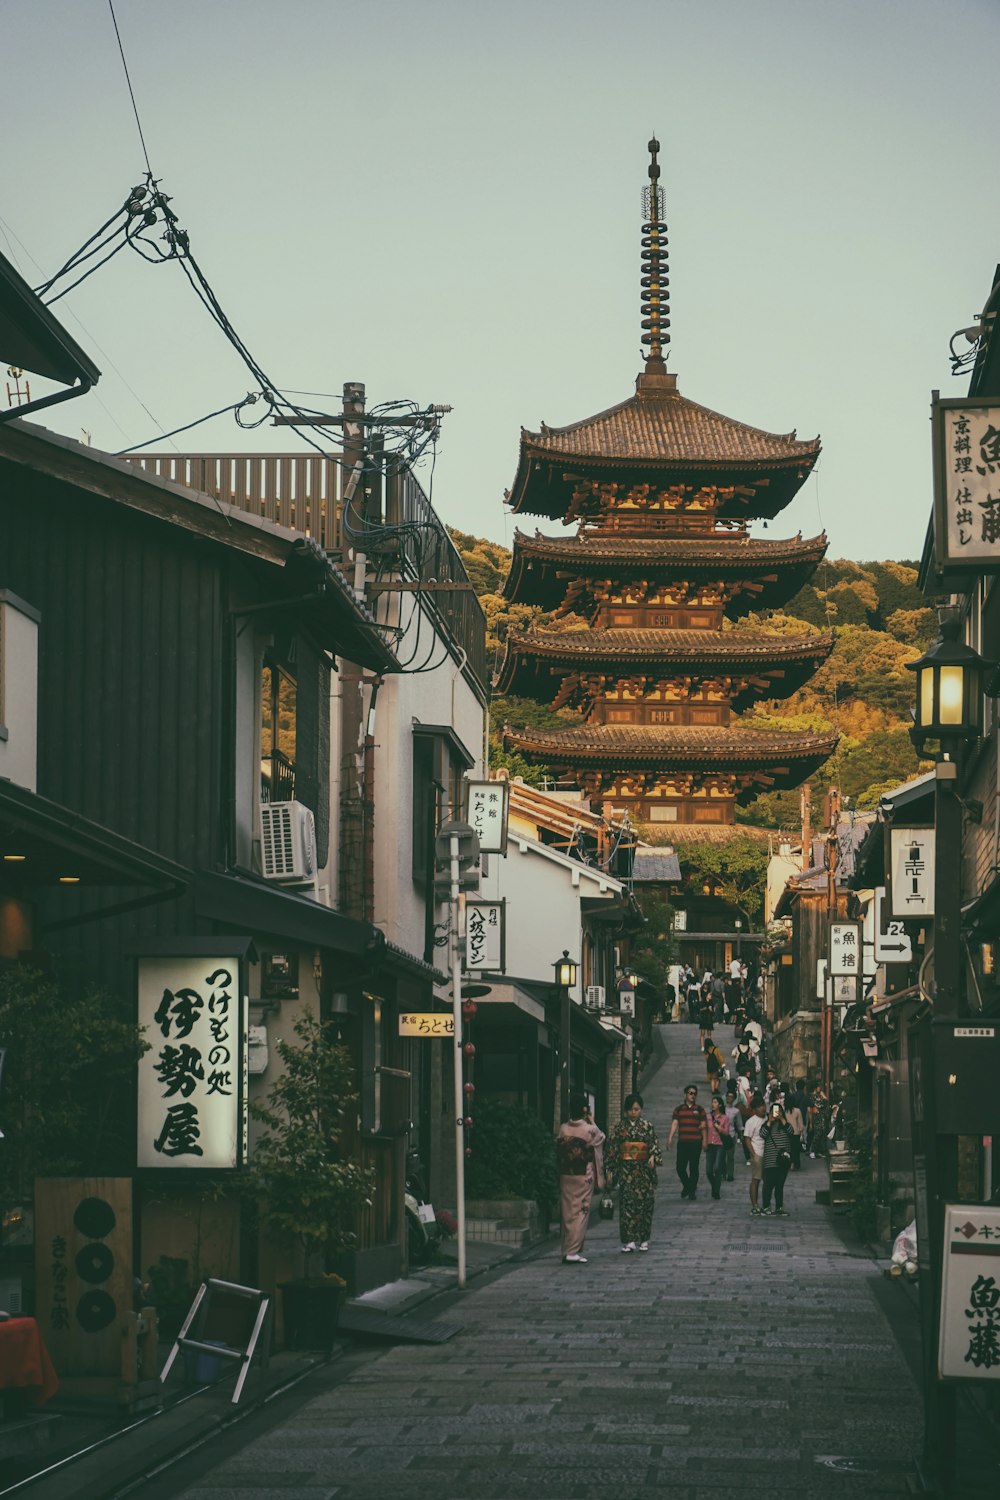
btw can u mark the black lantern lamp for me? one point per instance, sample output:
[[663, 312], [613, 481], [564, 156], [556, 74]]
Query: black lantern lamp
[[631, 977], [950, 685], [565, 971]]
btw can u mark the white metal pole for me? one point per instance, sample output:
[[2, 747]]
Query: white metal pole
[[456, 1001]]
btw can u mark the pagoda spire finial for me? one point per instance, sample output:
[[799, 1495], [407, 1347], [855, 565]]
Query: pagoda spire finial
[[655, 281]]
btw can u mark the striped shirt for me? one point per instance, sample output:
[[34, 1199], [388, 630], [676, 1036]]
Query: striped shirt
[[690, 1120]]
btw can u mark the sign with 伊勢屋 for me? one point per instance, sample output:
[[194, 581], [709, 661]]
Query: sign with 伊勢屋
[[426, 1023], [485, 936], [966, 446], [844, 948], [911, 870], [969, 1341], [192, 1079], [486, 810]]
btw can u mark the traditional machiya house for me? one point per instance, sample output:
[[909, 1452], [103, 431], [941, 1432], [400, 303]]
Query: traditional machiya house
[[660, 494]]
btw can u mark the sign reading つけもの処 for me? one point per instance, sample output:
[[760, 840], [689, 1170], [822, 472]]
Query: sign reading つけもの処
[[485, 936], [966, 436], [487, 803], [191, 1080], [969, 1343]]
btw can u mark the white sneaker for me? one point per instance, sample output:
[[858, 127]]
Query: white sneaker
[[576, 1260], [644, 1245], [627, 1249]]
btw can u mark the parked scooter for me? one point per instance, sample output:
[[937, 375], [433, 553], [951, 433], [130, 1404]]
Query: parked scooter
[[424, 1231]]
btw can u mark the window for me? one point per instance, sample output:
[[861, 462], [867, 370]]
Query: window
[[439, 762], [279, 705]]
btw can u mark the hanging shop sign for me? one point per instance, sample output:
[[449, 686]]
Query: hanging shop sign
[[966, 446], [426, 1023], [486, 936], [192, 1080], [969, 1341], [892, 941], [487, 804], [911, 864], [845, 948]]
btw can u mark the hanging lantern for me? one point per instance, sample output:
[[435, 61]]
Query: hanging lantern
[[469, 1089], [469, 1049], [949, 700]]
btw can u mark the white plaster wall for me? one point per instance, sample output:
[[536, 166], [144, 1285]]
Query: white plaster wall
[[18, 694]]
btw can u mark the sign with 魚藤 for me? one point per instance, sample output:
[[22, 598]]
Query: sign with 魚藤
[[485, 936], [426, 1023], [486, 811], [845, 948], [966, 439], [969, 1342], [911, 870], [192, 1079]]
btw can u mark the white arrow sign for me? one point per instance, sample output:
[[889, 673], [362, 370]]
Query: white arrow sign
[[892, 942]]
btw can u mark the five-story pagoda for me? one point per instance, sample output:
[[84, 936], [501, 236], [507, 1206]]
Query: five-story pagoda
[[661, 492]]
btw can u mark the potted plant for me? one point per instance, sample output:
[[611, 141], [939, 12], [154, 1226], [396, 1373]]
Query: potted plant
[[305, 1184]]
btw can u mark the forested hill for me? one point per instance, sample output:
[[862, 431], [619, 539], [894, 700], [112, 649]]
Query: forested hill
[[880, 623]]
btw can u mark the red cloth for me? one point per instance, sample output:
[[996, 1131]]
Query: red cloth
[[25, 1362]]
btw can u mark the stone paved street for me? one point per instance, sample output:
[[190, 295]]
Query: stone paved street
[[737, 1357]]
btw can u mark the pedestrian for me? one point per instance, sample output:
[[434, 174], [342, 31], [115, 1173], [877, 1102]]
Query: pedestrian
[[717, 1134], [719, 997], [715, 1065], [819, 1119], [753, 1139], [579, 1157], [743, 1058], [633, 1157], [690, 1124], [735, 1117], [793, 1115], [777, 1136], [693, 995], [706, 1017]]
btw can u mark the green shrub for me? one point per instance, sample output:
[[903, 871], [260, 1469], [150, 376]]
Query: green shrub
[[512, 1156]]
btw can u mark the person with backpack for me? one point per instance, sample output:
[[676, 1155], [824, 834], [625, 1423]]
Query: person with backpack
[[715, 1064]]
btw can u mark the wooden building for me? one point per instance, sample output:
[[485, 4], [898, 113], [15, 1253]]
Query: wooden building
[[661, 492]]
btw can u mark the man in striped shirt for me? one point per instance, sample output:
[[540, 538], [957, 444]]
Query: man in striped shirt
[[690, 1125]]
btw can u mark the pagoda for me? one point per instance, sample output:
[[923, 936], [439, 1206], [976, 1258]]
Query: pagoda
[[660, 493]]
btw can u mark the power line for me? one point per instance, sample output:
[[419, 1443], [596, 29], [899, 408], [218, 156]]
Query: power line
[[131, 93]]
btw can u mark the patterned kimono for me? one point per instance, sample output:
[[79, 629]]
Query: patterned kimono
[[632, 1154]]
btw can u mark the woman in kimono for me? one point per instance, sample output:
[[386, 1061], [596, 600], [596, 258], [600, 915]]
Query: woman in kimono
[[580, 1164], [632, 1158]]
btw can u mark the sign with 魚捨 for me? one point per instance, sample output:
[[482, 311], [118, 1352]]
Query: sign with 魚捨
[[845, 948], [969, 1343]]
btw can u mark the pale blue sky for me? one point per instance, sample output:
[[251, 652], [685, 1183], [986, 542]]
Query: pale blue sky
[[442, 199]]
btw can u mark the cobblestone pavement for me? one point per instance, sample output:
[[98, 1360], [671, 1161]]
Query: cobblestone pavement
[[738, 1357]]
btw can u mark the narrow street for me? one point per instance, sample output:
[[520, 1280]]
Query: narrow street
[[737, 1356]]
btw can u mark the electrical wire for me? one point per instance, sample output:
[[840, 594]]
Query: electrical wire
[[248, 400], [131, 92], [78, 255]]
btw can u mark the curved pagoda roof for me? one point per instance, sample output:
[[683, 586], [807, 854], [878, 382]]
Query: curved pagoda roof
[[791, 660], [660, 437], [784, 757], [541, 566]]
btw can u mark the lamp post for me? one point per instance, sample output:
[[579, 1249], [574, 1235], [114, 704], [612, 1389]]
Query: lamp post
[[947, 718], [565, 971]]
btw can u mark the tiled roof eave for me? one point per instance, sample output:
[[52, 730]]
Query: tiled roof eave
[[724, 756]]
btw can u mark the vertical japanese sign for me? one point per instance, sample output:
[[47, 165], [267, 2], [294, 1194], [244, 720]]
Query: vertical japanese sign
[[966, 436], [487, 803], [911, 860], [486, 936], [969, 1343], [191, 1081], [845, 948]]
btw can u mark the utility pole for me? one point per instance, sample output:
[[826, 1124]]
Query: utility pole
[[832, 853], [352, 811]]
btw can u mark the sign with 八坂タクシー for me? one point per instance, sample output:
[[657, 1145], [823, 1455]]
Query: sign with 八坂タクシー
[[969, 1342], [192, 1080], [486, 804], [426, 1023], [966, 437], [911, 862], [485, 936], [845, 948]]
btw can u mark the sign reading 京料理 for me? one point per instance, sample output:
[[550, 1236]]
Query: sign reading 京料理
[[845, 948], [487, 803], [969, 1342], [911, 861], [190, 1085], [485, 936], [966, 437], [426, 1023]]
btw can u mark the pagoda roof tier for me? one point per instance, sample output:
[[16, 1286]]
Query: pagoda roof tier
[[777, 758], [541, 566], [670, 652], [659, 436]]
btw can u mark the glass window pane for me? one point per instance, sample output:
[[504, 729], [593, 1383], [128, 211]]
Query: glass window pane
[[952, 679], [926, 696]]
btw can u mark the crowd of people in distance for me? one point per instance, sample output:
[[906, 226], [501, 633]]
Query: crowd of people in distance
[[752, 1116]]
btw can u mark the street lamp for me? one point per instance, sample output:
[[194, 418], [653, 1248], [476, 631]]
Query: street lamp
[[947, 717], [565, 972]]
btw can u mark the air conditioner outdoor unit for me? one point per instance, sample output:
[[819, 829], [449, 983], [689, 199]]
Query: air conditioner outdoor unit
[[287, 841], [595, 997]]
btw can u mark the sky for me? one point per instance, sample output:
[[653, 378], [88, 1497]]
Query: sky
[[441, 199]]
